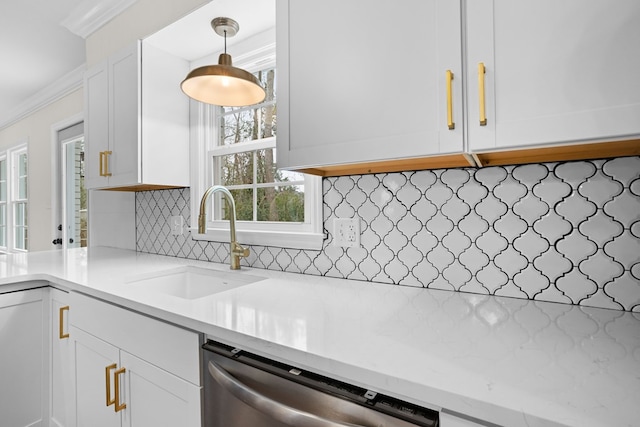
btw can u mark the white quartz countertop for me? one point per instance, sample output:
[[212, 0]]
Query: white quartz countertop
[[507, 361]]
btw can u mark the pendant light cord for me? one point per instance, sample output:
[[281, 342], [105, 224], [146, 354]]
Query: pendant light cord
[[225, 41]]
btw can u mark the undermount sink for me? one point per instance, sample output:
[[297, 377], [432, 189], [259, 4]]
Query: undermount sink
[[190, 282]]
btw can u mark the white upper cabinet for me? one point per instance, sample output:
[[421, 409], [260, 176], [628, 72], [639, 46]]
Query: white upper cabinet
[[556, 72], [363, 81], [137, 121]]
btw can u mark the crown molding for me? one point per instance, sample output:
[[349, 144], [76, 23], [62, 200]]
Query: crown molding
[[90, 15], [68, 83]]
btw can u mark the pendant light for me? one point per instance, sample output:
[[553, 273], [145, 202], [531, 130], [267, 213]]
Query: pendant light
[[223, 84]]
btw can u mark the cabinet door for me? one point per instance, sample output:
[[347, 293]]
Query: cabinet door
[[21, 358], [366, 80], [96, 123], [155, 397], [555, 71], [124, 113], [61, 385], [90, 357]]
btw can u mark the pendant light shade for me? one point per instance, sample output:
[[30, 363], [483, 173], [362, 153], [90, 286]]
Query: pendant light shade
[[223, 84]]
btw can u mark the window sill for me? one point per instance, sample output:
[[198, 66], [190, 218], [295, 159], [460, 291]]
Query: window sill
[[293, 240]]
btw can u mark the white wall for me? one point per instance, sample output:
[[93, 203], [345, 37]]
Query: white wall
[[142, 19], [36, 130]]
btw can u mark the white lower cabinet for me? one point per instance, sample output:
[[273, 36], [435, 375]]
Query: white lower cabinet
[[23, 344], [131, 370], [59, 362]]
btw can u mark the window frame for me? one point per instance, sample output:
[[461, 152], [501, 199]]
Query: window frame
[[306, 235], [4, 203], [11, 157]]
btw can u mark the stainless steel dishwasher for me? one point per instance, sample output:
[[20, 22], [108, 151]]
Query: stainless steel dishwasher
[[246, 390]]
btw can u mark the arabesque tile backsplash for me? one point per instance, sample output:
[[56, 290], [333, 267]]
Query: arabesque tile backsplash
[[562, 232]]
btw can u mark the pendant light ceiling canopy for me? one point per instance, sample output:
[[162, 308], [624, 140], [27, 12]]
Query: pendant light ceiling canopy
[[223, 84]]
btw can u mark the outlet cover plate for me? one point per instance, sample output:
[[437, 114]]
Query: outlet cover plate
[[346, 232], [177, 225]]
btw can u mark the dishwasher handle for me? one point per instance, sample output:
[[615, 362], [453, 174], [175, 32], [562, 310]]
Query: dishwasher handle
[[276, 410]]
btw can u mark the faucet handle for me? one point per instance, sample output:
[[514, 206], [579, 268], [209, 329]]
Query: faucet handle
[[240, 251]]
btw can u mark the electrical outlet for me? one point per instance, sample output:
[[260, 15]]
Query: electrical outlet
[[177, 225], [346, 232]]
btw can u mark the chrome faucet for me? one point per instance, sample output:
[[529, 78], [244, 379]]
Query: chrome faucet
[[235, 250]]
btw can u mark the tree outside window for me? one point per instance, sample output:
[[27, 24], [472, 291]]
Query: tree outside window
[[245, 162]]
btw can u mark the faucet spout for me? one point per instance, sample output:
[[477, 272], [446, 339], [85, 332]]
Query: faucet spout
[[235, 250]]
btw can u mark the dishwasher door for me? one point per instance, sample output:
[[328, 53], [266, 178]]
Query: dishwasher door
[[244, 390]]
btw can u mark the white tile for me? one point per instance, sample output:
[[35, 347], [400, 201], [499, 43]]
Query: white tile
[[531, 281], [552, 227], [576, 286], [492, 277], [600, 228], [530, 175], [623, 169], [625, 249], [510, 261], [551, 190], [490, 209], [439, 226], [601, 268], [574, 173], [625, 208], [576, 209], [510, 226], [531, 244], [438, 194], [510, 191], [492, 243], [600, 188], [457, 275], [576, 247], [530, 208], [553, 264], [455, 178]]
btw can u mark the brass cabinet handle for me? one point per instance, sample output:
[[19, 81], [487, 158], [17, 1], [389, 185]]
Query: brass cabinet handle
[[107, 370], [116, 384], [483, 113], [450, 122], [106, 163], [61, 322], [102, 163]]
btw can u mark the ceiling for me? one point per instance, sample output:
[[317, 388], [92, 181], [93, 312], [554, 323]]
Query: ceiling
[[42, 42], [36, 49]]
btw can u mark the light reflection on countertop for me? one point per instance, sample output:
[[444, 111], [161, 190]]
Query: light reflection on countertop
[[509, 361]]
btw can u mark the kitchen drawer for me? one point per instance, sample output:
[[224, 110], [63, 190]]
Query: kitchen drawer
[[167, 346]]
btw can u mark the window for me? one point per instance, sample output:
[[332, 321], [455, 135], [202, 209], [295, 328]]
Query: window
[[13, 200], [273, 207], [3, 201]]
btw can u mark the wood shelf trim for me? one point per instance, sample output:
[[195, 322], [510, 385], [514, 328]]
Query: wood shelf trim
[[601, 150], [462, 160]]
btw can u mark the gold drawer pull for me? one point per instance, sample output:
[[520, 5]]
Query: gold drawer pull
[[116, 380], [106, 163], [450, 122], [483, 113], [61, 322], [107, 370]]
